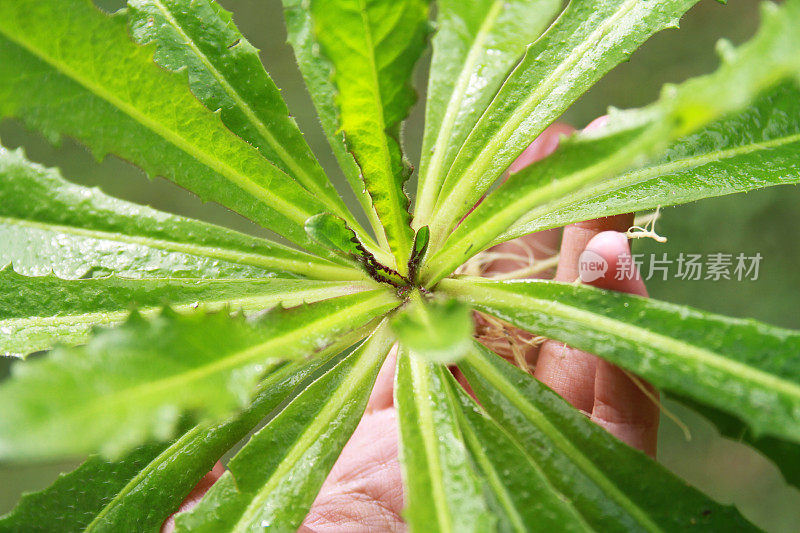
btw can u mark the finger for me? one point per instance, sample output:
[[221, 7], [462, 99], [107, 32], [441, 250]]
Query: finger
[[621, 405], [197, 493], [382, 395], [544, 145], [571, 372], [520, 254], [544, 243], [567, 371]]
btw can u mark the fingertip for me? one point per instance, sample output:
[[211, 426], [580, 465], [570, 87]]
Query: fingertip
[[609, 242], [597, 123], [617, 270]]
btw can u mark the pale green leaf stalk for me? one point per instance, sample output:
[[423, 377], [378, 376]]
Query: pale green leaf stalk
[[133, 383], [225, 73], [612, 486], [373, 47], [73, 308], [743, 367], [443, 492], [744, 151], [588, 39], [475, 46], [630, 137], [272, 482], [318, 76], [49, 225], [505, 205], [130, 106], [136, 492]]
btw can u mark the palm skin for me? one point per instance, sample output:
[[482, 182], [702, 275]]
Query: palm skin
[[364, 491]]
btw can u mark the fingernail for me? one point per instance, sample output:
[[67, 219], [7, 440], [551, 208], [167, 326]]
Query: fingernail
[[599, 261], [609, 244], [597, 123]]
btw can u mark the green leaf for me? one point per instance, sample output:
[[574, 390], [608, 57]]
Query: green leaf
[[435, 329], [784, 454], [373, 46], [743, 367], [586, 41], [334, 234], [418, 251], [443, 492], [523, 498], [225, 73], [50, 225], [70, 504], [476, 45], [612, 486], [66, 68], [749, 150], [272, 482], [38, 312], [134, 382], [318, 75], [630, 137], [139, 491], [575, 168]]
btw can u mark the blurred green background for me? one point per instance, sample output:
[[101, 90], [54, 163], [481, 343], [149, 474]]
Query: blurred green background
[[766, 222]]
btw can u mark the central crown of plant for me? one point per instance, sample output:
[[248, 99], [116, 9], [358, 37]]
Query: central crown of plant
[[291, 338]]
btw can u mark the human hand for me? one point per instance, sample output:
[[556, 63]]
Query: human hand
[[614, 399], [364, 490]]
